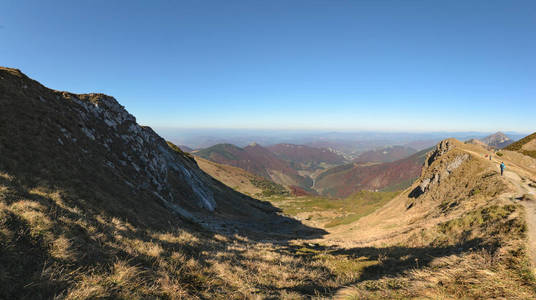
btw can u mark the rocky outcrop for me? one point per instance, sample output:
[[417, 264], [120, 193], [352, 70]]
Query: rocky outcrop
[[440, 149], [434, 176], [89, 143], [143, 154]]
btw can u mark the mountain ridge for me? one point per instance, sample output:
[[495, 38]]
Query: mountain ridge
[[92, 136]]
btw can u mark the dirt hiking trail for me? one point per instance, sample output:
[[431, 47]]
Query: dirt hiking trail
[[526, 195], [519, 175], [520, 172]]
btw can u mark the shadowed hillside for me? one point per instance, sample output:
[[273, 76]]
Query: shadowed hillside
[[93, 205], [74, 141]]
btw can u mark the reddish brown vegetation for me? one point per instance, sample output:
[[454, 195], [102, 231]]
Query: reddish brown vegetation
[[345, 180]]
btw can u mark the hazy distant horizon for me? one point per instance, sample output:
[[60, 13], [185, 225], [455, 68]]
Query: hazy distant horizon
[[328, 130], [367, 65], [206, 137]]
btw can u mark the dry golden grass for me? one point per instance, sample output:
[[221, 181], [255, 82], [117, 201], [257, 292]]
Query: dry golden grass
[[64, 243], [233, 177], [51, 247], [464, 239]]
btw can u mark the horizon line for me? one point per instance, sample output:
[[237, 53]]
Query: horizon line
[[347, 130]]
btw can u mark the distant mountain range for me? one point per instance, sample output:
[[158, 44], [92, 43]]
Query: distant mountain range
[[303, 157], [348, 143], [327, 171], [185, 148], [303, 169], [307, 169], [387, 154]]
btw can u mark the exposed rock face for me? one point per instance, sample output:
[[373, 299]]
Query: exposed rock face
[[440, 149], [74, 142], [144, 151], [452, 175], [100, 128], [430, 177]]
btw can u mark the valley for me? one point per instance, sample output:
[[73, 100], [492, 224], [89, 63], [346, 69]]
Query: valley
[[321, 171], [94, 205], [267, 150]]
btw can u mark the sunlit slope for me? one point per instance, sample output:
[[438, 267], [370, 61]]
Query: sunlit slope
[[345, 180], [459, 231], [241, 180], [526, 146]]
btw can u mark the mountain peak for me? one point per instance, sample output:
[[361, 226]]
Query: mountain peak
[[497, 140]]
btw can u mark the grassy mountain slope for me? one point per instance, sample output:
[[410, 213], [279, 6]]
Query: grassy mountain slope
[[459, 232], [77, 223], [76, 141], [257, 160], [478, 142], [93, 205], [345, 180], [325, 212], [526, 145], [241, 180]]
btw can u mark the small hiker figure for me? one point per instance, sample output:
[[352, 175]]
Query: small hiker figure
[[502, 168], [490, 157]]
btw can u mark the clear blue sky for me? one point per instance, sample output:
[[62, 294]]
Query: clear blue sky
[[373, 65]]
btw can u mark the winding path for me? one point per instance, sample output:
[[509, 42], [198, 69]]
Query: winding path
[[523, 180], [527, 196]]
